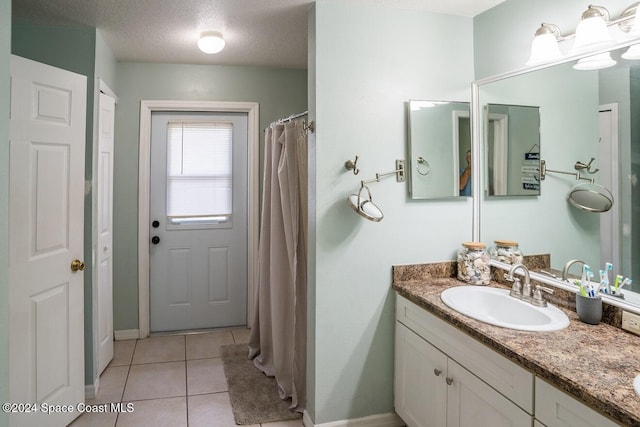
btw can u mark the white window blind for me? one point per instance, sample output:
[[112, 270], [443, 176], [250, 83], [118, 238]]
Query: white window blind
[[199, 169]]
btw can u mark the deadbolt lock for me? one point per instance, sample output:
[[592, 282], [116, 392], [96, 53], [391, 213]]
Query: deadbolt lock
[[77, 265]]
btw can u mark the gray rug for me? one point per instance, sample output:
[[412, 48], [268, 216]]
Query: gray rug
[[254, 396]]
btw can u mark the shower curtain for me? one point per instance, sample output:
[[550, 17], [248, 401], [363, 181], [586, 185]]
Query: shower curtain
[[278, 335]]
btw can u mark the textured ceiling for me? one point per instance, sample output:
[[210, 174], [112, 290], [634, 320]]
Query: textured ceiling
[[270, 33]]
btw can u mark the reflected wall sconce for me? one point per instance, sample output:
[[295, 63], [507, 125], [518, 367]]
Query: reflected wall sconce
[[362, 203], [211, 42], [594, 32]]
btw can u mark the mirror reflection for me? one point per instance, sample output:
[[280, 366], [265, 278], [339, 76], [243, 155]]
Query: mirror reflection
[[439, 149], [512, 144], [583, 115]]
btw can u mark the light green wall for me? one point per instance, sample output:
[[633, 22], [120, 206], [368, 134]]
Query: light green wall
[[105, 67], [369, 61], [280, 92], [5, 50]]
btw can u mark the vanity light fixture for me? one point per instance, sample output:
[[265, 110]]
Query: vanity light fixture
[[595, 62], [592, 32], [634, 31], [544, 47], [211, 42]]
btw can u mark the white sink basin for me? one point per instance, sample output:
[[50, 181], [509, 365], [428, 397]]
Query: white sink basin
[[496, 307], [636, 385]]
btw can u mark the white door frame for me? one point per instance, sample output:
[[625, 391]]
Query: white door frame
[[253, 154], [500, 124], [609, 177]]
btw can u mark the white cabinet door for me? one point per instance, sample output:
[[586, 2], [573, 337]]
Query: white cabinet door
[[472, 403], [555, 408], [420, 387]]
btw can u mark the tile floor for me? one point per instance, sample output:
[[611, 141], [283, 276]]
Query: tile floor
[[172, 380]]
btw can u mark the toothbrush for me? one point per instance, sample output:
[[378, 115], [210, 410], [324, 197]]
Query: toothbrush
[[617, 283], [583, 279], [604, 283], [626, 281], [582, 291], [609, 267], [586, 272]]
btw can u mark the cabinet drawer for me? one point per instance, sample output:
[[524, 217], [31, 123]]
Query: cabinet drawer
[[511, 380], [555, 408]]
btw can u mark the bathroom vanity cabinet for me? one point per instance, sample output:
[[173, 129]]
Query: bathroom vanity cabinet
[[443, 377]]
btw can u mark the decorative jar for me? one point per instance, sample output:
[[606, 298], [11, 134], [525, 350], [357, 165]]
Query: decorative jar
[[506, 251], [473, 264]]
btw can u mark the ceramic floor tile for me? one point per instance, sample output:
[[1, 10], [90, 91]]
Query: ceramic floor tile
[[155, 380], [207, 345], [122, 352], [93, 419], [288, 423], [211, 410], [241, 335], [112, 381], [170, 412], [159, 349], [205, 376]]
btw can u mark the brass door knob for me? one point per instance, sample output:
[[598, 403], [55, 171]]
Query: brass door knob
[[76, 265]]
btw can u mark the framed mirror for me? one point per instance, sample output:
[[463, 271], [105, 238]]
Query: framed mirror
[[439, 146], [512, 146], [583, 115]]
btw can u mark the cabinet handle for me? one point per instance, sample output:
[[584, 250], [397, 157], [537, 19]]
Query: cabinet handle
[[437, 372], [449, 380]]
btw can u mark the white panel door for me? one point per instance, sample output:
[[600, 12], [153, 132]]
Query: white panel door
[[46, 197], [104, 266], [197, 266]]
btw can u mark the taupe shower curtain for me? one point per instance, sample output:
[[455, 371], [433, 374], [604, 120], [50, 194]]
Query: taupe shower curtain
[[278, 334]]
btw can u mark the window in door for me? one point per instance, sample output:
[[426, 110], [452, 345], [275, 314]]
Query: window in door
[[199, 174]]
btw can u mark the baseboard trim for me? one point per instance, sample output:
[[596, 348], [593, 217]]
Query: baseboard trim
[[91, 390], [381, 420], [126, 334]]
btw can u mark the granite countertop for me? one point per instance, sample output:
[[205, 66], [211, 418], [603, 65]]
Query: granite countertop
[[594, 363]]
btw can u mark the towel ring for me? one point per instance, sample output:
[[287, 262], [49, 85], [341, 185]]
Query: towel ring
[[423, 166]]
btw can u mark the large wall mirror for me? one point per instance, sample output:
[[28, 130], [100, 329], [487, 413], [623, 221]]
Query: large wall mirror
[[583, 115], [439, 149]]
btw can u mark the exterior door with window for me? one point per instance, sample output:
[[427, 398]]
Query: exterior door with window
[[198, 220]]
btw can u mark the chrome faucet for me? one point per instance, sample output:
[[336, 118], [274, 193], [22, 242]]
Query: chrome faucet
[[523, 292], [568, 265]]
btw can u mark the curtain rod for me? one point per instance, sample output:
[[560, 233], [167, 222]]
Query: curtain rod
[[292, 117]]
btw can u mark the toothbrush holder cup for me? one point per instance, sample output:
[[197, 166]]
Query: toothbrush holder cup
[[589, 309]]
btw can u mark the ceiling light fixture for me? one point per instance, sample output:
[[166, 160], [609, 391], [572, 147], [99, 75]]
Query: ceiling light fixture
[[211, 42]]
